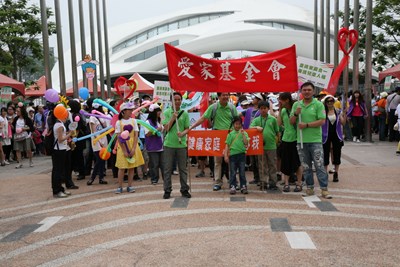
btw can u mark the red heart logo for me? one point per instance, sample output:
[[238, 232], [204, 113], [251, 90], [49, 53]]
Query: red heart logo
[[132, 84], [122, 84], [118, 84], [345, 35]]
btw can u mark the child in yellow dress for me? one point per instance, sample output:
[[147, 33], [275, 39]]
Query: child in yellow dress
[[128, 150]]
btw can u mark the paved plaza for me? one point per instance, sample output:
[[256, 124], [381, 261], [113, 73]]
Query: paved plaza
[[360, 226]]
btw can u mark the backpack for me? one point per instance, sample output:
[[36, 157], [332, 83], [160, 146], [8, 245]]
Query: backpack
[[214, 113]]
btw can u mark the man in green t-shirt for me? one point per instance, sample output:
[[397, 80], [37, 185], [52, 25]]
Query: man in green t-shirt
[[222, 117], [268, 125], [309, 115], [175, 146]]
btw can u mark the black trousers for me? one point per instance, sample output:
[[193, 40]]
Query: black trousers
[[392, 119], [58, 159]]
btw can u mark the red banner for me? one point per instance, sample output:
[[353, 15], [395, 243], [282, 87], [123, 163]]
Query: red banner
[[212, 142], [272, 72]]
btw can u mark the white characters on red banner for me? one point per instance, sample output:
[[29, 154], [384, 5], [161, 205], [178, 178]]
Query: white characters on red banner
[[191, 143], [208, 143], [217, 144], [199, 144], [250, 69], [226, 74], [185, 65], [255, 142], [205, 71], [275, 68]]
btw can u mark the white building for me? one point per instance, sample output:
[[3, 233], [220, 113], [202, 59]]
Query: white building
[[236, 28]]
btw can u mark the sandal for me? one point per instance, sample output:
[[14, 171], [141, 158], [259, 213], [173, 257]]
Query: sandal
[[298, 188], [286, 188]]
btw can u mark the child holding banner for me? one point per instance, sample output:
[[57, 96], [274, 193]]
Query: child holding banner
[[269, 127], [235, 154]]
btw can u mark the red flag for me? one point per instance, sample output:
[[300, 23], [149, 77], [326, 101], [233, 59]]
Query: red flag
[[271, 72]]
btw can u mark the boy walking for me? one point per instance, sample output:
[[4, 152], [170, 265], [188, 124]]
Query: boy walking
[[269, 127]]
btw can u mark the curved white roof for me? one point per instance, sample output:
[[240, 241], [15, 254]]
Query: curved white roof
[[232, 25]]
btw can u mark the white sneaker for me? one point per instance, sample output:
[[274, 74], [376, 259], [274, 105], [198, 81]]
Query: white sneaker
[[354, 139], [6, 162], [358, 141], [61, 195], [175, 172]]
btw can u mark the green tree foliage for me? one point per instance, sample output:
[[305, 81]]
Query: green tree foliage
[[20, 37], [385, 33]]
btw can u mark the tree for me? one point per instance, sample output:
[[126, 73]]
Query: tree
[[20, 30], [386, 33]]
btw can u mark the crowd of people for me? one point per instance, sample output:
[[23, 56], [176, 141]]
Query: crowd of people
[[300, 137]]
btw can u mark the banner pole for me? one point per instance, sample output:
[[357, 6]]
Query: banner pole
[[301, 133], [176, 119]]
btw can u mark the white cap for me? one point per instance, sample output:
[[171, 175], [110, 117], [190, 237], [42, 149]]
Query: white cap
[[154, 107], [244, 102], [126, 105], [258, 95]]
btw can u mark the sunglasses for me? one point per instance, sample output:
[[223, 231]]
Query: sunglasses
[[329, 101]]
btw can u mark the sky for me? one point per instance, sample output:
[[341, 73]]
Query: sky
[[122, 11]]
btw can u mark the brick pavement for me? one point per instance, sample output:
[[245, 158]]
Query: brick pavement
[[95, 227]]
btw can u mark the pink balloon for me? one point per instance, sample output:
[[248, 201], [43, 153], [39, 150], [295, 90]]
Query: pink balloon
[[125, 134], [18, 130], [77, 118]]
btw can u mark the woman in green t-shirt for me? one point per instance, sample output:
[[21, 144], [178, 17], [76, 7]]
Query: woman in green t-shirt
[[290, 161]]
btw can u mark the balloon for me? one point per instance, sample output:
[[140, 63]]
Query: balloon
[[102, 135], [111, 142], [84, 93], [104, 154], [73, 126], [146, 104], [105, 104], [92, 134], [60, 112], [148, 126], [77, 118], [18, 130], [51, 95], [84, 113], [101, 115], [125, 134], [128, 128]]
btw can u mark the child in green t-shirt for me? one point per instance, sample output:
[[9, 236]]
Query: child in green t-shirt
[[268, 126], [235, 154]]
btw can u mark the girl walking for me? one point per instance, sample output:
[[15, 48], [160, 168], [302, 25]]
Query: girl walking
[[128, 151]]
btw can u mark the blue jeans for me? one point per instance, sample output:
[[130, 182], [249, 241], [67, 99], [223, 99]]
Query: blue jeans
[[313, 152], [237, 161]]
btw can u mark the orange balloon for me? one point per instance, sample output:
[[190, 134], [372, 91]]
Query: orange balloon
[[60, 112], [104, 154]]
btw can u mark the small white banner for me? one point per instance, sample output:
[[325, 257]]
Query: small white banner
[[314, 71], [163, 91]]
